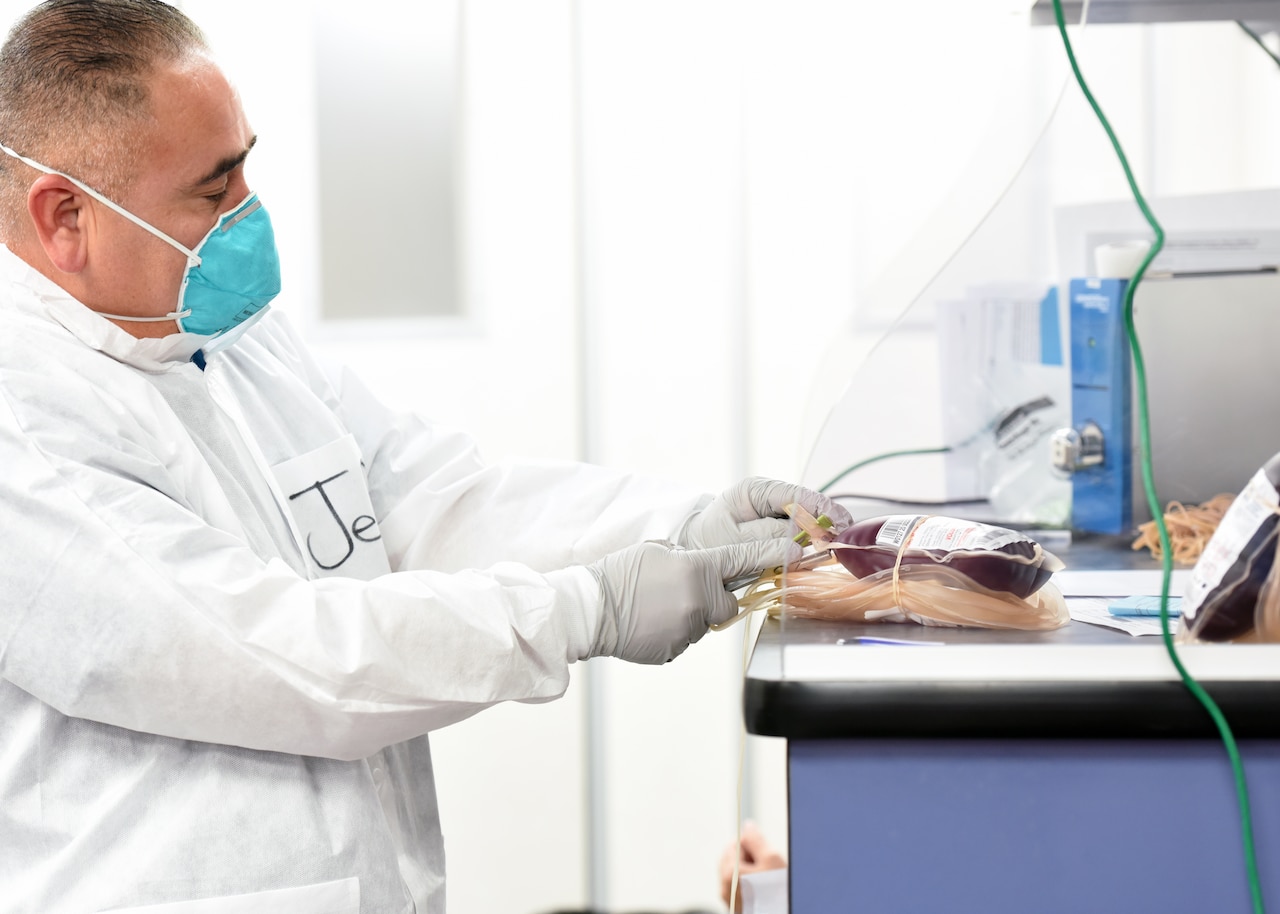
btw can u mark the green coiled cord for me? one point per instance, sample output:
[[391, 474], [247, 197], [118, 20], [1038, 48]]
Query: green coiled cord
[[1144, 433]]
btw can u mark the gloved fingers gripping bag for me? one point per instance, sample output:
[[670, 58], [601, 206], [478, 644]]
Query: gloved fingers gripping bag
[[916, 568], [1223, 599]]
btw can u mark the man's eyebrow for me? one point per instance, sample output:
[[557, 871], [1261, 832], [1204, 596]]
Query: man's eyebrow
[[226, 166]]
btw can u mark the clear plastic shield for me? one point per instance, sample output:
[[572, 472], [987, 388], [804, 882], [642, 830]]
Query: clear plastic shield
[[984, 372]]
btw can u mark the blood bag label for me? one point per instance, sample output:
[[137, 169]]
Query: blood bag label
[[895, 528], [943, 533], [1246, 515]]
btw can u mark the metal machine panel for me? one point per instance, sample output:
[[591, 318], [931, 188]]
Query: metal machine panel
[[1211, 345]]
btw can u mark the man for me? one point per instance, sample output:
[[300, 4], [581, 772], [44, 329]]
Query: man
[[238, 591]]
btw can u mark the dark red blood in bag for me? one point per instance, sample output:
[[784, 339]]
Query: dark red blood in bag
[[994, 569]]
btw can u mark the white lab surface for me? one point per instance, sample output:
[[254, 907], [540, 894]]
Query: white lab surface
[[239, 599]]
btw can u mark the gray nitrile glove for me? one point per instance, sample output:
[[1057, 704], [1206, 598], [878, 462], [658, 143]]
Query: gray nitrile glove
[[753, 510], [657, 598]]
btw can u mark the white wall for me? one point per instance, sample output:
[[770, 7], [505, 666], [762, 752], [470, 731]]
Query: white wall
[[668, 210]]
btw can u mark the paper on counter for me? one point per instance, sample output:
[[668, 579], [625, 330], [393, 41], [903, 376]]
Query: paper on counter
[[1118, 583], [1095, 612]]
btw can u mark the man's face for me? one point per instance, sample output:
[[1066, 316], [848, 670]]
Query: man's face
[[190, 172]]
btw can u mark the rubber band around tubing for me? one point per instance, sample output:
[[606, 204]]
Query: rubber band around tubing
[[897, 562]]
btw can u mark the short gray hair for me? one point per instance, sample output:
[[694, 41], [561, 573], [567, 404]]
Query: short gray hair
[[73, 81]]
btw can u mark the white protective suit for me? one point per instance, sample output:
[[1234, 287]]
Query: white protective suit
[[233, 601]]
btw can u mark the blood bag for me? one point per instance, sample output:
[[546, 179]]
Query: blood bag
[[1222, 598], [925, 569]]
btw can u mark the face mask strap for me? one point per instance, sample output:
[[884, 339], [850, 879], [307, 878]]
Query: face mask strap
[[172, 316], [192, 257]]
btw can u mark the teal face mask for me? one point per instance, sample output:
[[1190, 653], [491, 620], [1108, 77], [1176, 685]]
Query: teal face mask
[[232, 274]]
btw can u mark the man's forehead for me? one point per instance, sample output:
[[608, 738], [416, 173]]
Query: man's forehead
[[201, 129]]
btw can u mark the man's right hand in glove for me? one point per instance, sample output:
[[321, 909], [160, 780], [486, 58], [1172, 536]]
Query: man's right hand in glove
[[657, 598]]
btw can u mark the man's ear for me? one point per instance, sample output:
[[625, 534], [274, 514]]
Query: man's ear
[[60, 213]]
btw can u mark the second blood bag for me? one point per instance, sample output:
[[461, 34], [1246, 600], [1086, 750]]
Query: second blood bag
[[1222, 599]]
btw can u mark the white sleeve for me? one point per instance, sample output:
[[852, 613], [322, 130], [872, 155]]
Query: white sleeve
[[441, 507], [120, 605]]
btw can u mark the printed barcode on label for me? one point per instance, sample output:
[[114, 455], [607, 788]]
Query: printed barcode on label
[[895, 529]]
